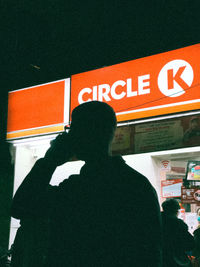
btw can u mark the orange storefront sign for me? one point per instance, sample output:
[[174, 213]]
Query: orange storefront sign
[[152, 86], [37, 110], [156, 85]]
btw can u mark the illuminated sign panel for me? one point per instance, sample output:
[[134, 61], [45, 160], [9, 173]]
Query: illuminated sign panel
[[38, 110], [151, 86], [156, 85]]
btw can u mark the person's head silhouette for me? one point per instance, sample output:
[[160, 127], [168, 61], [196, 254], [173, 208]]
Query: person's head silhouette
[[171, 207], [93, 126]]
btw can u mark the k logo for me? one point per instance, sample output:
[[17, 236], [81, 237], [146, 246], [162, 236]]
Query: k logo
[[175, 77]]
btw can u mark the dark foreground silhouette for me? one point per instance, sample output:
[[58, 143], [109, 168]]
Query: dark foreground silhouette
[[108, 215]]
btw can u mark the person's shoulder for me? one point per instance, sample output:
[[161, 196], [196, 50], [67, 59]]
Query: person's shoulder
[[174, 222], [134, 173], [196, 231], [181, 224], [131, 175]]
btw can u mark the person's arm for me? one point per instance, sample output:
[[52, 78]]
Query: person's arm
[[30, 193]]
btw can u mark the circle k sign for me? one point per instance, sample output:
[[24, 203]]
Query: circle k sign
[[152, 86], [175, 77]]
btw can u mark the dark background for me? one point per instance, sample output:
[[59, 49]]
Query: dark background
[[47, 40]]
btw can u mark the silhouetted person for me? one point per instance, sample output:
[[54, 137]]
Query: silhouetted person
[[108, 215], [196, 250], [176, 238]]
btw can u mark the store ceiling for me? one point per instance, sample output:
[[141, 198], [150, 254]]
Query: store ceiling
[[178, 154], [47, 40]]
